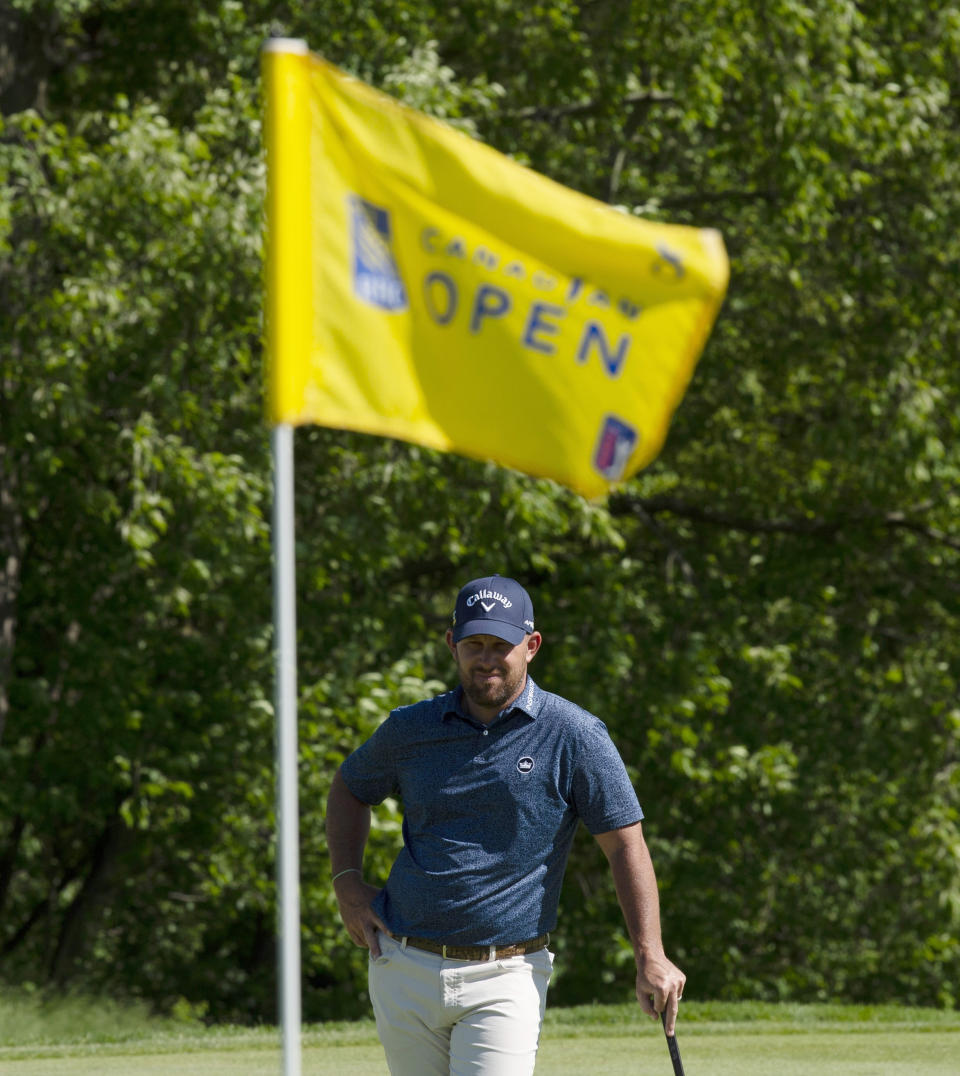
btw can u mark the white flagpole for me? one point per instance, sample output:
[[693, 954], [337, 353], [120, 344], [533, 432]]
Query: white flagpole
[[288, 819]]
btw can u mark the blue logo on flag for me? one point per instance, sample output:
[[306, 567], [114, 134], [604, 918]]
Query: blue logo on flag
[[376, 278], [615, 446]]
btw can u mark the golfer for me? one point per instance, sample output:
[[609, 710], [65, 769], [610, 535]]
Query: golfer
[[494, 778]]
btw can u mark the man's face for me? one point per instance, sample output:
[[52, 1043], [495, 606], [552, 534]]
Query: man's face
[[492, 671]]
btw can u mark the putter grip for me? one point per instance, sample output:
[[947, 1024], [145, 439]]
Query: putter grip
[[672, 1047]]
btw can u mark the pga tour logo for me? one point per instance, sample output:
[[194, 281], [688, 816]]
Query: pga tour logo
[[376, 278], [615, 446]]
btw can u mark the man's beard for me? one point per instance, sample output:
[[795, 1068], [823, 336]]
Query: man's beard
[[491, 694]]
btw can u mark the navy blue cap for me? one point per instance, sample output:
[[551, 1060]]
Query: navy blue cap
[[493, 605]]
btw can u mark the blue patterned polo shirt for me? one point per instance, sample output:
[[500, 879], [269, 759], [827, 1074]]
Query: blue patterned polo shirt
[[490, 811]]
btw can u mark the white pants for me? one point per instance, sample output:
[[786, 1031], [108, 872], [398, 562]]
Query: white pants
[[439, 1017]]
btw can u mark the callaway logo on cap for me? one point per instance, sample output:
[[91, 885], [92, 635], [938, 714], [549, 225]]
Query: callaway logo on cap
[[494, 605]]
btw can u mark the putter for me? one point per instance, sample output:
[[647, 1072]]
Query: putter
[[672, 1047]]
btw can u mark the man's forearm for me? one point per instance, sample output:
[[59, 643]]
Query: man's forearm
[[348, 826], [660, 982], [636, 886]]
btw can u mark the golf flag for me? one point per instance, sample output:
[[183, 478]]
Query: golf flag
[[422, 286]]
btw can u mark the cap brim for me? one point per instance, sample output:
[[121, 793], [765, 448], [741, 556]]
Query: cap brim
[[508, 632]]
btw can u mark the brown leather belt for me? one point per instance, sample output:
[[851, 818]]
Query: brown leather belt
[[478, 952]]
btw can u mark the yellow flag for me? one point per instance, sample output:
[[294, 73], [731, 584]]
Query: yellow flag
[[422, 286]]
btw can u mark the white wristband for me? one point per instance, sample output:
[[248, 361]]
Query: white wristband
[[347, 871]]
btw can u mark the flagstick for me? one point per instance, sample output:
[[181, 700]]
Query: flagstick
[[288, 822]]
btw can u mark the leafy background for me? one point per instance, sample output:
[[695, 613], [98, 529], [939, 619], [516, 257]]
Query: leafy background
[[768, 618]]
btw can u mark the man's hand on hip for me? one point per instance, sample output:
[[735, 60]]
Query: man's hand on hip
[[355, 897]]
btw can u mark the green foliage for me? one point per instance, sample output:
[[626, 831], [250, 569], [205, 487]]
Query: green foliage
[[767, 618], [29, 1019]]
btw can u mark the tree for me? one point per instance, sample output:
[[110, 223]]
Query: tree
[[767, 618]]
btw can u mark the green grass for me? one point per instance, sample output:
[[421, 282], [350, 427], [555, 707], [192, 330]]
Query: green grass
[[80, 1038]]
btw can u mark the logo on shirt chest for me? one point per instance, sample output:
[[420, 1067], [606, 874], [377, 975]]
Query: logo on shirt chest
[[525, 764]]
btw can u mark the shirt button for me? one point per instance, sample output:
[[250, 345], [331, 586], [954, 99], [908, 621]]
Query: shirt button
[[486, 732]]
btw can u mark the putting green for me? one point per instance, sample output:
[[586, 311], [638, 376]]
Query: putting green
[[730, 1052]]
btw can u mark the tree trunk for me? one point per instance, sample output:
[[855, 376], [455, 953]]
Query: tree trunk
[[24, 64], [93, 894], [11, 558]]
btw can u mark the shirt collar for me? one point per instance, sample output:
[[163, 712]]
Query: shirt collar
[[528, 702]]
